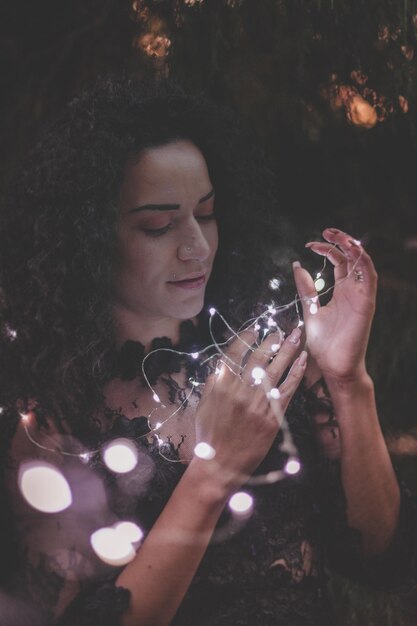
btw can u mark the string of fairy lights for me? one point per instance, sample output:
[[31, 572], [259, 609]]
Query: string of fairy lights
[[46, 489]]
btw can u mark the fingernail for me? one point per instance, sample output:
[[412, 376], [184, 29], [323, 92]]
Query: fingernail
[[296, 264], [302, 359], [354, 242], [333, 230], [294, 337]]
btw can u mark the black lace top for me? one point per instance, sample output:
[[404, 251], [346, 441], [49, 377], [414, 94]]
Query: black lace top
[[266, 570]]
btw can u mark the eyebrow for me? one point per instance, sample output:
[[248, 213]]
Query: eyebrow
[[168, 207]]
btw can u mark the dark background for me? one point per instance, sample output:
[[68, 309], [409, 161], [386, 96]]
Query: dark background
[[295, 72], [279, 63]]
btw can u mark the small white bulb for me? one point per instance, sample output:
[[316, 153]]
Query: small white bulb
[[44, 487], [195, 355], [292, 466], [274, 283], [313, 308], [114, 545], [319, 284], [121, 455], [156, 398], [275, 347], [241, 503], [300, 324], [212, 311], [204, 451], [130, 531], [258, 373], [274, 394]]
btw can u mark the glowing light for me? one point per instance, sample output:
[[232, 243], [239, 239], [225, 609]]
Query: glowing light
[[130, 531], [271, 322], [360, 112], [195, 355], [313, 308], [25, 418], [319, 284], [292, 466], [258, 374], [357, 242], [10, 333], [44, 487], [120, 455], [274, 394], [113, 545], [218, 370], [271, 309], [204, 451], [158, 425], [241, 503], [156, 398], [1, 410], [274, 284], [300, 324], [257, 327], [275, 347], [85, 456], [212, 311], [194, 382]]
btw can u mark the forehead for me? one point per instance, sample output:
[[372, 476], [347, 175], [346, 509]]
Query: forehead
[[166, 171]]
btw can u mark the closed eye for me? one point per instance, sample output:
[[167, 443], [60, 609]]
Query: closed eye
[[157, 232], [205, 218]]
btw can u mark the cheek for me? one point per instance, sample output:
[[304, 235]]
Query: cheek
[[145, 259]]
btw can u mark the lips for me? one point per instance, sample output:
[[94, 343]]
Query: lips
[[192, 281]]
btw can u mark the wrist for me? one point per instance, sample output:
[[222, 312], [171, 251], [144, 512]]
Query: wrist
[[356, 384], [211, 484]]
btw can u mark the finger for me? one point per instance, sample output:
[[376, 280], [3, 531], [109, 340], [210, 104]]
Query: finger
[[306, 290], [284, 357], [360, 265], [358, 259], [336, 257], [280, 401], [235, 354], [262, 355]]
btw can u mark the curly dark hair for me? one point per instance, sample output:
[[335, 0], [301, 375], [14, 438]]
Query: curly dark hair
[[58, 235]]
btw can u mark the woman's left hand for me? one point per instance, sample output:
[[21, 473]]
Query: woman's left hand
[[337, 334]]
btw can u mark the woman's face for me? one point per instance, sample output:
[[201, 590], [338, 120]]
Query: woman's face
[[167, 234]]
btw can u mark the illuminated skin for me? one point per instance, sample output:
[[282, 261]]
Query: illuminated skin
[[337, 337], [167, 233]]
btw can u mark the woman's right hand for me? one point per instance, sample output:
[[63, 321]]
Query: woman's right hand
[[237, 418]]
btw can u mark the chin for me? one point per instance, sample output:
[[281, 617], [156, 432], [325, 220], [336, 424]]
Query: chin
[[186, 312]]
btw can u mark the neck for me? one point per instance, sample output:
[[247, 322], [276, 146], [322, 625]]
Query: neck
[[130, 325]]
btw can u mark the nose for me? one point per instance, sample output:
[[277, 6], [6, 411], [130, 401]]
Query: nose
[[194, 246]]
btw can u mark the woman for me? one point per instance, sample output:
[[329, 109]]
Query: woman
[[136, 212]]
